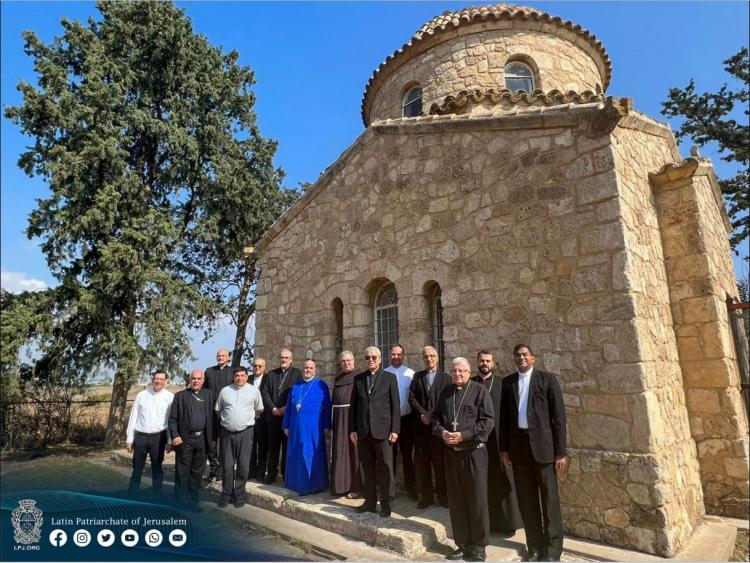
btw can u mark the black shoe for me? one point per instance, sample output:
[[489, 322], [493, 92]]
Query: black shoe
[[532, 554], [505, 533], [476, 554], [366, 507], [422, 504], [239, 504], [456, 555], [385, 510], [222, 504], [412, 494]]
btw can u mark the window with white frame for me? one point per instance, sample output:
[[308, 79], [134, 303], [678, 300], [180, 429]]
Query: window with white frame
[[411, 105], [386, 320], [518, 76]]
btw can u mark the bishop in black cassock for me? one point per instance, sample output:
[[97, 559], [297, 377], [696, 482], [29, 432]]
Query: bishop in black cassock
[[463, 418]]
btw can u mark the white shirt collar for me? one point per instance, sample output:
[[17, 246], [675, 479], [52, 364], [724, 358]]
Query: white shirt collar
[[525, 373]]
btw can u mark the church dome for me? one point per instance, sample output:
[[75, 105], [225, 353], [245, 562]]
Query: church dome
[[488, 48]]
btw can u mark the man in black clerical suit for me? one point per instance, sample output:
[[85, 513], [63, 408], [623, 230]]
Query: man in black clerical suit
[[463, 418], [505, 517], [274, 389], [532, 438], [191, 425], [424, 390], [216, 378], [374, 424]]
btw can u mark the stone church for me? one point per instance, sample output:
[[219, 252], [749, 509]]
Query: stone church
[[498, 195]]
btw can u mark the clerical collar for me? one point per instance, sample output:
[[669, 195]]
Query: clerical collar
[[308, 380], [525, 373]]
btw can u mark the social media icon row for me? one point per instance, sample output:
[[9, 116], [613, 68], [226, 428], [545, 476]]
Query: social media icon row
[[128, 538]]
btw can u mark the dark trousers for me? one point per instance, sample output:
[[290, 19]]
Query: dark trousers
[[429, 455], [214, 459], [235, 449], [151, 445], [536, 483], [405, 444], [466, 479], [190, 462], [259, 451], [276, 444], [376, 458]]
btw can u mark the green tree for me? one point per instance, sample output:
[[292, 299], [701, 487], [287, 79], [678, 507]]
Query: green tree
[[140, 126], [708, 117]]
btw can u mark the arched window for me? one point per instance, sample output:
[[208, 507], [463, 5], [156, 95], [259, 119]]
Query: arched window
[[386, 320], [435, 296], [518, 76], [338, 325], [411, 106]]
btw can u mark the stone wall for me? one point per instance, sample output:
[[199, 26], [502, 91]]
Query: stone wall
[[701, 276], [477, 61], [536, 230]]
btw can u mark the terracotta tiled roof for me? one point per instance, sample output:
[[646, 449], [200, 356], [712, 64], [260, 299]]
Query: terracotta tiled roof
[[451, 20], [464, 99]]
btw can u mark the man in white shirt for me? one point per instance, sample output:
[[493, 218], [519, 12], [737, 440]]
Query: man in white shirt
[[147, 432], [404, 376]]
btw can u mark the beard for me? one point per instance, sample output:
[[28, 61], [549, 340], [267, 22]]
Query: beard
[[485, 370]]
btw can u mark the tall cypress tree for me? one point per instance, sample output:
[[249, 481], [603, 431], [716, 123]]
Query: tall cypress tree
[[144, 133]]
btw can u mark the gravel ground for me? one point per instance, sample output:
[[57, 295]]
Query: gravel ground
[[741, 546]]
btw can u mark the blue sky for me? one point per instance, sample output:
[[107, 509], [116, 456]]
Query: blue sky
[[312, 61]]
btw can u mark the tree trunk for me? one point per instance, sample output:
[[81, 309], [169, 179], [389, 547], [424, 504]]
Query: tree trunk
[[125, 375], [245, 311]]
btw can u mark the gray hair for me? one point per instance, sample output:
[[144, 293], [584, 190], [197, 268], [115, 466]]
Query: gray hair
[[287, 350], [374, 350], [461, 360], [346, 354], [429, 348]]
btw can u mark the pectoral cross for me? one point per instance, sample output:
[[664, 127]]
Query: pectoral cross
[[455, 425]]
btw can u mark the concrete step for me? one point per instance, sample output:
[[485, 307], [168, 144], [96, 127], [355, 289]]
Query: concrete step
[[426, 534]]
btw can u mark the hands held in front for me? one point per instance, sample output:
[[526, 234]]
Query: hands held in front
[[393, 437], [425, 419], [353, 437], [176, 441], [451, 438], [286, 432]]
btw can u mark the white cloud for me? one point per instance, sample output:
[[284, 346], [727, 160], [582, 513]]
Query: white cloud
[[16, 282]]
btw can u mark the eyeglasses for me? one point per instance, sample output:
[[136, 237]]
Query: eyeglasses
[[257, 365], [371, 357]]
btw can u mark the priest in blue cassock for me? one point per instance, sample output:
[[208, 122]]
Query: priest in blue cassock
[[306, 419]]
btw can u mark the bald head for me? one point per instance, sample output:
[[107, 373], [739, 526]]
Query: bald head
[[196, 380]]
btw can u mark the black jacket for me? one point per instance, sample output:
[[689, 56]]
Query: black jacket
[[421, 400], [377, 414], [217, 378], [545, 414], [274, 389], [474, 414], [178, 414]]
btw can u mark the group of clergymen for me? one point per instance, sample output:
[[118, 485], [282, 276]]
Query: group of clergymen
[[469, 441]]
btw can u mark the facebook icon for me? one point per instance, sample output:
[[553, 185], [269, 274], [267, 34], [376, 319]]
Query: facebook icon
[[58, 538]]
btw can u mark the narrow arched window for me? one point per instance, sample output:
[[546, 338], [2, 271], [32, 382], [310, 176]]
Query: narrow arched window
[[519, 76], [436, 320], [412, 103], [386, 320], [338, 325]]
